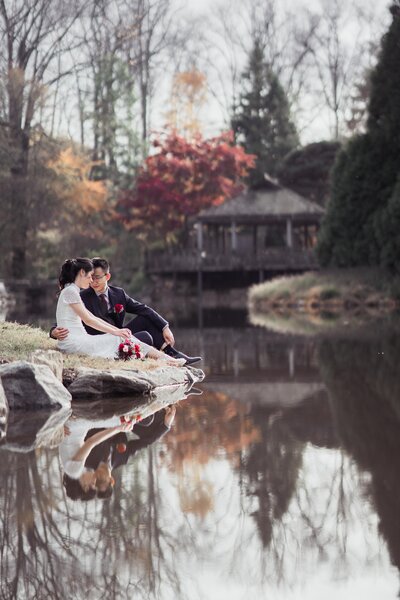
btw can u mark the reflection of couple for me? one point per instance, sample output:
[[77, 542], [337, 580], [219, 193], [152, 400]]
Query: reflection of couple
[[89, 455], [100, 308]]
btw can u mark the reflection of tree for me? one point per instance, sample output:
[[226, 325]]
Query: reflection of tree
[[203, 427], [311, 421], [212, 424], [50, 544], [264, 445], [364, 386], [29, 532], [270, 470]]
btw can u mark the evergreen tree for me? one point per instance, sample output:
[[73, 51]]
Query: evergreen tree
[[307, 170], [347, 235], [262, 120], [363, 218]]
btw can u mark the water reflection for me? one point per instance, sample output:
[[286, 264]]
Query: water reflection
[[279, 481], [366, 409]]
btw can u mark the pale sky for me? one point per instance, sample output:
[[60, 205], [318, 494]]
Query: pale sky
[[313, 124]]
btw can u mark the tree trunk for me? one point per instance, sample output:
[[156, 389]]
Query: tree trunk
[[19, 202]]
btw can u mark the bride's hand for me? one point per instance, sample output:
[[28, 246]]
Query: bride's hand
[[125, 333]]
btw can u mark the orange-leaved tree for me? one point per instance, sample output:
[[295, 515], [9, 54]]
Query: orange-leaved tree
[[81, 195], [179, 180], [83, 203]]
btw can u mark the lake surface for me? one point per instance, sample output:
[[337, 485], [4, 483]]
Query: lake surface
[[280, 481]]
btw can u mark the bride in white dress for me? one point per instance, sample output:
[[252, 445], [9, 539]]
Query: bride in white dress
[[76, 274]]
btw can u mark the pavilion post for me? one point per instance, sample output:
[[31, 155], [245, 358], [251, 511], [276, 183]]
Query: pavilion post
[[233, 236], [199, 231], [289, 233], [255, 240], [291, 363], [199, 228]]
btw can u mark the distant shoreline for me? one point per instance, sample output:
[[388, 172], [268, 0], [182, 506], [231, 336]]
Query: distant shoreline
[[338, 289], [316, 302]]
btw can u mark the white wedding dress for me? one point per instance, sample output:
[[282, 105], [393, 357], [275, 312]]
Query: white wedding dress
[[78, 340], [75, 439]]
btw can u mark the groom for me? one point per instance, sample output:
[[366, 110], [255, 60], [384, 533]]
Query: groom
[[110, 304]]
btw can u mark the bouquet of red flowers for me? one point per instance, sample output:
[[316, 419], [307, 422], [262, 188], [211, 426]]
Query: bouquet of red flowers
[[127, 349]]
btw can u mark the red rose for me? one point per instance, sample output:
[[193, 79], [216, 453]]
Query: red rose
[[118, 308], [121, 448], [125, 350]]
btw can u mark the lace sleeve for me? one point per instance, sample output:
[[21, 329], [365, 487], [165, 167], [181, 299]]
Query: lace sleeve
[[71, 296]]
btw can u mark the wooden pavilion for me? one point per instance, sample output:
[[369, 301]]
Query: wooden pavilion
[[271, 229]]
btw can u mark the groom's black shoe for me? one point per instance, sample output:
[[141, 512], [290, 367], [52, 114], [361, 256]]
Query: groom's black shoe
[[190, 360]]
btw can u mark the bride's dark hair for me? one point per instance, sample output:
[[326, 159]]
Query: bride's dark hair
[[74, 490], [71, 268]]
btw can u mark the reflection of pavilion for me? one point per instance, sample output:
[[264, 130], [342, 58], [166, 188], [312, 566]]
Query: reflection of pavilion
[[256, 365], [252, 354], [277, 394]]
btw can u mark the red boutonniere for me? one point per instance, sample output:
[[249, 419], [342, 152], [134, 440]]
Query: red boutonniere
[[118, 308], [127, 349]]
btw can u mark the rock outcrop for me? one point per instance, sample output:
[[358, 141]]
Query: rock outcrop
[[52, 358], [38, 383], [92, 383], [27, 385]]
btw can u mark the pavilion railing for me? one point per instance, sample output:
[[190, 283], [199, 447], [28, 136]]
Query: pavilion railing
[[189, 260]]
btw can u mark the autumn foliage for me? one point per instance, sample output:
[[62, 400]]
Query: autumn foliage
[[74, 184], [179, 180]]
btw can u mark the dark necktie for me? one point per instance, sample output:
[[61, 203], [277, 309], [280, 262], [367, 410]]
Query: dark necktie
[[103, 304]]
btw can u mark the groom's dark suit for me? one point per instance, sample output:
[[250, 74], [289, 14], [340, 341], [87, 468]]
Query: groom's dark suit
[[107, 450], [147, 319]]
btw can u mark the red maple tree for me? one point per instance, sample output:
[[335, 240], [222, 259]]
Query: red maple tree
[[180, 179]]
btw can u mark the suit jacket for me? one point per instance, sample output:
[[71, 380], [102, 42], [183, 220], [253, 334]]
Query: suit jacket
[[107, 450], [117, 295]]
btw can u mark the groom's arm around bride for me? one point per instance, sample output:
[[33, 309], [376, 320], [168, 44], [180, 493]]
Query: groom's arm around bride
[[111, 304]]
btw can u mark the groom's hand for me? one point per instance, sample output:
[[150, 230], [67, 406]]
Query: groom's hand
[[168, 336], [59, 333]]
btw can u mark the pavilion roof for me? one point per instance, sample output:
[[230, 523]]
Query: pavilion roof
[[269, 203]]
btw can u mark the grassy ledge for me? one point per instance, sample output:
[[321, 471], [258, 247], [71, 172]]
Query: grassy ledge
[[340, 289], [326, 302], [18, 341]]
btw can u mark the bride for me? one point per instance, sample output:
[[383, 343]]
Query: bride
[[76, 274]]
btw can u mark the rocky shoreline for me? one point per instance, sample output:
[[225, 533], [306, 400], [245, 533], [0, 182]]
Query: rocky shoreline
[[42, 382]]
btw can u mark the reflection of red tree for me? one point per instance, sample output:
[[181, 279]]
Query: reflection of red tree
[[205, 426]]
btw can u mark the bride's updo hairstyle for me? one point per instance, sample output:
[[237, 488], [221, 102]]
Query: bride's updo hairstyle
[[71, 268]]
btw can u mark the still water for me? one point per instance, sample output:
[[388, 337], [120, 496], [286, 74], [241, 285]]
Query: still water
[[278, 478]]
